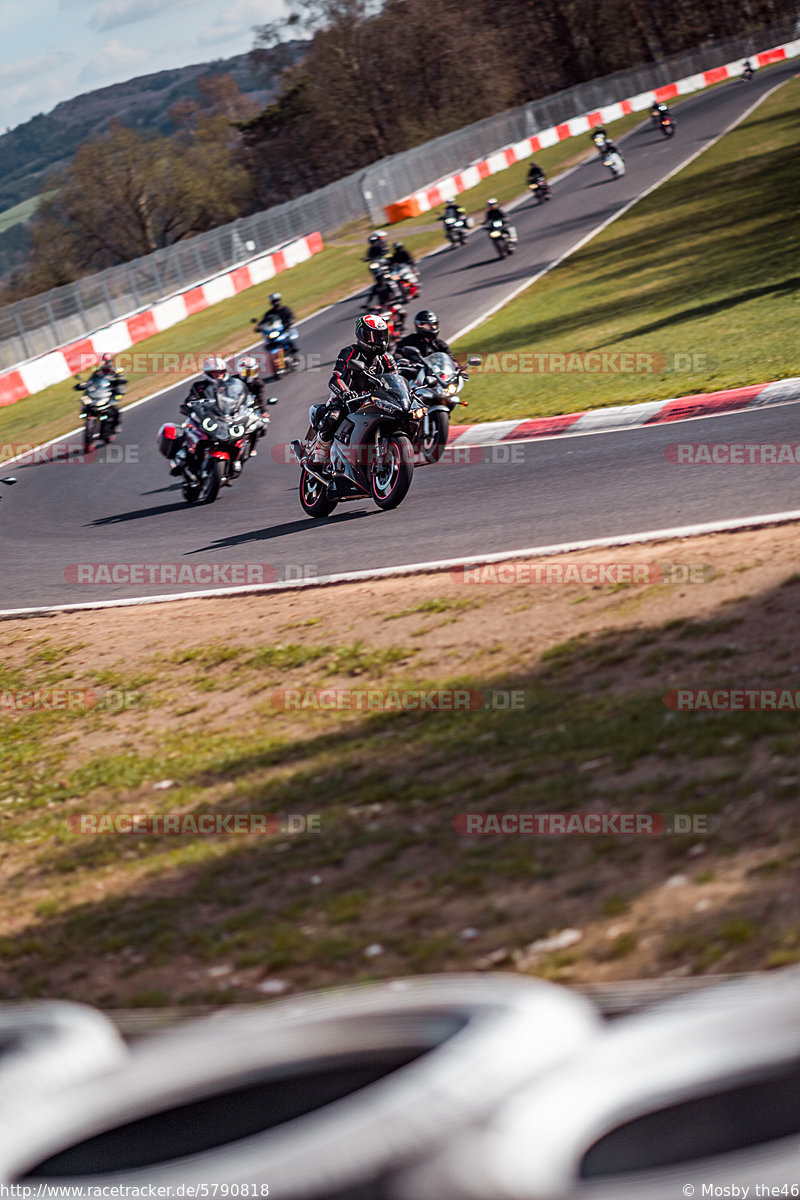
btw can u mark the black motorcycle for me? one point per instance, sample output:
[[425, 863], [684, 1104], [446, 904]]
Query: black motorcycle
[[213, 444], [540, 190], [502, 237], [455, 229], [666, 123], [99, 410], [437, 382], [372, 453]]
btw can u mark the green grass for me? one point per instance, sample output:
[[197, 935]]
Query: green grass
[[22, 212], [701, 277], [225, 328]]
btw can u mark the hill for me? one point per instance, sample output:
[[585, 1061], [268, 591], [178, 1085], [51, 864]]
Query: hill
[[32, 150]]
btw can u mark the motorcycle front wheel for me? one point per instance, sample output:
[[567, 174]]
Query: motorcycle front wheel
[[433, 445], [391, 474], [500, 247], [314, 497], [90, 430], [211, 479]]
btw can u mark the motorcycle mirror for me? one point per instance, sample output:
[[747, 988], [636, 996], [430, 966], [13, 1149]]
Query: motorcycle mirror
[[253, 320], [473, 360], [272, 400], [9, 479]]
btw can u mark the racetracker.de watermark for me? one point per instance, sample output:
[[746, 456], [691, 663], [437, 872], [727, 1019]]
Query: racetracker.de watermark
[[593, 823], [733, 454], [733, 699], [28, 455], [207, 824], [507, 454], [593, 362], [587, 574], [186, 574], [401, 699], [27, 700], [176, 362]]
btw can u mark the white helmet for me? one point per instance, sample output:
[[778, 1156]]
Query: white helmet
[[247, 367], [216, 369]]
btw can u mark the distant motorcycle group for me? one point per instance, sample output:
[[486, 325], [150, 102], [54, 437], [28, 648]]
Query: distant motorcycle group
[[391, 398]]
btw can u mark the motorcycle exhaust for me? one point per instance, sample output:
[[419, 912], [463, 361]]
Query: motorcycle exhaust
[[325, 1097], [704, 1088]]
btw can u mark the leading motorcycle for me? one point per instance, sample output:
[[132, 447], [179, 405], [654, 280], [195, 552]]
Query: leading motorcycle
[[213, 444], [372, 454]]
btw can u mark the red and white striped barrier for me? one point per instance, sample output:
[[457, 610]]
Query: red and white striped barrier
[[63, 363], [626, 416], [451, 185]]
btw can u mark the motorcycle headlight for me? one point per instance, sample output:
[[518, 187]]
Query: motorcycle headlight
[[273, 333], [209, 425], [418, 413], [452, 389], [237, 430]]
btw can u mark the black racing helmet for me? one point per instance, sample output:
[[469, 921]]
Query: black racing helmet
[[426, 321], [372, 333]]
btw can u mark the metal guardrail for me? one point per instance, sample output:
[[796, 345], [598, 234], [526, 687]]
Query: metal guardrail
[[38, 324]]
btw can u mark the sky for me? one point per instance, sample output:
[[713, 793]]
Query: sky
[[51, 50]]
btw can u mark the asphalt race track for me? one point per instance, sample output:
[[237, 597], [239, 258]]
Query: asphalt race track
[[130, 510]]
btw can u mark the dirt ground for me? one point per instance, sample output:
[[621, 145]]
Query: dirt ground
[[701, 613]]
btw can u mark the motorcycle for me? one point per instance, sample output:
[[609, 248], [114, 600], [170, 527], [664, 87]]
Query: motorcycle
[[98, 411], [407, 279], [279, 346], [747, 74], [9, 480], [455, 229], [667, 124], [213, 444], [372, 453], [439, 380], [613, 160], [503, 237], [540, 189]]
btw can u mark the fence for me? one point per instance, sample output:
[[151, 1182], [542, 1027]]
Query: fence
[[40, 323]]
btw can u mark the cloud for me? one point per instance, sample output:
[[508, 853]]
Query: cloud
[[237, 20], [113, 13], [32, 71], [113, 58]]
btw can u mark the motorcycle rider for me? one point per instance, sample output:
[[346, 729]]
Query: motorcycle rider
[[536, 174], [601, 140], [247, 371], [400, 257], [377, 246], [105, 369], [384, 291], [494, 212], [354, 366], [455, 212], [215, 371], [747, 69], [283, 313], [425, 337]]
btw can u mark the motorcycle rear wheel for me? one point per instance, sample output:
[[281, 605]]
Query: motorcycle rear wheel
[[390, 480], [314, 497]]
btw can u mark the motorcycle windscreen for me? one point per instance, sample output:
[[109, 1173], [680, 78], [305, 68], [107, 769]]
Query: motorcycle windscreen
[[394, 388], [229, 397], [441, 365]]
